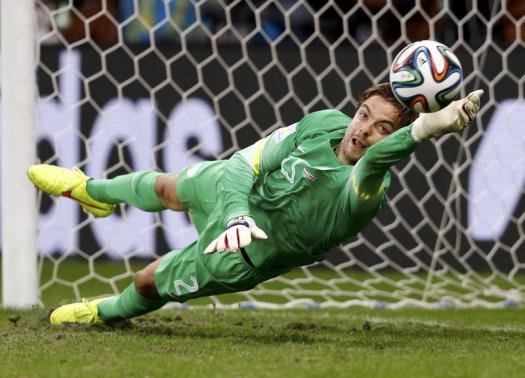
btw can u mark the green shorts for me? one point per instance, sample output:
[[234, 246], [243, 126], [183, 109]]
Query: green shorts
[[198, 188], [188, 273]]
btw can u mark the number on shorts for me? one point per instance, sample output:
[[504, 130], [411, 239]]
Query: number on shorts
[[191, 288]]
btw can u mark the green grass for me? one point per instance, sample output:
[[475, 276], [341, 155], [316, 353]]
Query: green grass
[[293, 343], [257, 343]]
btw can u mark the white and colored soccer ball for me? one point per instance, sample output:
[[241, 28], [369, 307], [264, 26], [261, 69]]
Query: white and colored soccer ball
[[426, 76]]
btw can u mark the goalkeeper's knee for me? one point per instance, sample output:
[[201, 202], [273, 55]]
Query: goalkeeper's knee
[[145, 281], [166, 190]]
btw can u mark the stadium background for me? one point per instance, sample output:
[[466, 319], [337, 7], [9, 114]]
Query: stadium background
[[241, 73]]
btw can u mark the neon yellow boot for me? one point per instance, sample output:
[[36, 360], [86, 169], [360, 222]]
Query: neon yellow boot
[[70, 183], [85, 312]]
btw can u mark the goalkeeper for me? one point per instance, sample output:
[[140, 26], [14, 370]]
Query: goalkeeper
[[280, 203]]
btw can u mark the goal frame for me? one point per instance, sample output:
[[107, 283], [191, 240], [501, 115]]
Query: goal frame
[[19, 212]]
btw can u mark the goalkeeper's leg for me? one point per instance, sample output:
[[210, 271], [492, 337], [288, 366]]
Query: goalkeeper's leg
[[146, 190], [139, 298], [179, 276]]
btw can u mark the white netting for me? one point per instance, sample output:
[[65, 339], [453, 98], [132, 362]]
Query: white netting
[[154, 84]]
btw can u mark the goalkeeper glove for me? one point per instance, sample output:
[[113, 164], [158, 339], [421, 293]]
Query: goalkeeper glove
[[454, 117], [240, 232]]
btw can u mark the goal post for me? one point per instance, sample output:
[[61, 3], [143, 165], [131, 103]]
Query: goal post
[[18, 86], [123, 88]]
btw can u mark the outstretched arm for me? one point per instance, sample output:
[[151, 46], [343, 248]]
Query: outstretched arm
[[367, 179], [366, 186]]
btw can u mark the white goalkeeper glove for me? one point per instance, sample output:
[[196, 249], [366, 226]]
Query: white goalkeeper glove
[[240, 232], [454, 117]]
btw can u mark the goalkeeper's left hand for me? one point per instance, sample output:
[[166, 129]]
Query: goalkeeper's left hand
[[240, 232], [454, 117]]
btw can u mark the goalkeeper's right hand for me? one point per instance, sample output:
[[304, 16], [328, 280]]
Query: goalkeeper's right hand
[[240, 232], [454, 117]]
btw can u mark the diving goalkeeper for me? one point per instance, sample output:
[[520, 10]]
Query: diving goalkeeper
[[280, 203]]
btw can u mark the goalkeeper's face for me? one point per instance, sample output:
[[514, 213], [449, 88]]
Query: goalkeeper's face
[[374, 120]]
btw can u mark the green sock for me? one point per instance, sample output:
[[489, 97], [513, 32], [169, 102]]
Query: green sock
[[136, 189], [127, 305]]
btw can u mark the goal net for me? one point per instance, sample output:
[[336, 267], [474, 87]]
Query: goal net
[[151, 84]]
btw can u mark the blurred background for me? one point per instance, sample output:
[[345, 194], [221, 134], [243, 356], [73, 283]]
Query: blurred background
[[232, 21]]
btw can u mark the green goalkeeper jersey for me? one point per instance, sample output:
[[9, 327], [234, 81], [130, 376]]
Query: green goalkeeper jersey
[[297, 190]]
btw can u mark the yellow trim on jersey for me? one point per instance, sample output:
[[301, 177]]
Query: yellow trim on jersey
[[363, 195], [256, 163], [253, 154]]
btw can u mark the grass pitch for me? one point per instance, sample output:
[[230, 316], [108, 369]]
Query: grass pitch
[[260, 343], [254, 343]]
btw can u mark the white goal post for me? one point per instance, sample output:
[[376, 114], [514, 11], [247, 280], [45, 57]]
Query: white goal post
[[19, 257], [131, 85]]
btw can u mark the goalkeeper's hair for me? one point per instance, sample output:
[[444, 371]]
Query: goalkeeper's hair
[[405, 115]]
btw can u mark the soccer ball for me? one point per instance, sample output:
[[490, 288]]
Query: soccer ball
[[426, 76]]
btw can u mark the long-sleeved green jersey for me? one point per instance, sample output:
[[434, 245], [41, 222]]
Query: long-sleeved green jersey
[[297, 190]]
